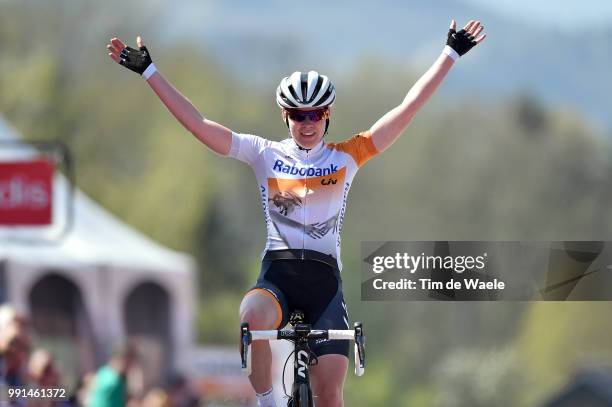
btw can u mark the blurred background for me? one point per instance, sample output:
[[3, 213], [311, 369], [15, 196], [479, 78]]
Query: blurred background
[[165, 236]]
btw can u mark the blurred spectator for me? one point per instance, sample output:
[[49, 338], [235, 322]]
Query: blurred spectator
[[156, 398], [9, 315], [133, 402], [14, 350], [181, 394], [80, 397], [43, 374], [109, 388], [41, 369]]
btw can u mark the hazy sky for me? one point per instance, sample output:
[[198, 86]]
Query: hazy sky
[[557, 12]]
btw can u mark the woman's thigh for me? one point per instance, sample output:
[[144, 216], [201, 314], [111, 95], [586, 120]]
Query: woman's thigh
[[328, 376]]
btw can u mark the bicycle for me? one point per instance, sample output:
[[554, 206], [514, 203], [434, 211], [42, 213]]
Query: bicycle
[[300, 334]]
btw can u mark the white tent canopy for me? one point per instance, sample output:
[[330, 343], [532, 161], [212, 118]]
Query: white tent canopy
[[107, 261], [96, 236]]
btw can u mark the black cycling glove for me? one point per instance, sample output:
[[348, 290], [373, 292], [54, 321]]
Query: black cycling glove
[[460, 41], [137, 60]]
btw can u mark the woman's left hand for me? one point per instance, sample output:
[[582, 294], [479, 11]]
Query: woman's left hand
[[465, 39]]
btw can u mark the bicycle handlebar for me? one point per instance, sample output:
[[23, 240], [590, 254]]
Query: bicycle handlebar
[[247, 337], [333, 334]]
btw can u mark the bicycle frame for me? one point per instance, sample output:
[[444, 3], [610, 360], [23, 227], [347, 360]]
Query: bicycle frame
[[300, 334]]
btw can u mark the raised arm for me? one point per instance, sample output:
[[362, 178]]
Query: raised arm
[[215, 136], [389, 127]]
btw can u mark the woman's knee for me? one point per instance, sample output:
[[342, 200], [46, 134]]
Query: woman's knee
[[329, 395], [260, 311]]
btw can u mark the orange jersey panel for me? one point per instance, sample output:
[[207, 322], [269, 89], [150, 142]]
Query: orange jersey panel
[[360, 147]]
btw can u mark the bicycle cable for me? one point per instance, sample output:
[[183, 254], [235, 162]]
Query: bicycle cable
[[284, 367], [312, 358]]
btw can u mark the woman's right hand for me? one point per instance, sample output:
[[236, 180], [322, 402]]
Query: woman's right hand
[[215, 136], [137, 60]]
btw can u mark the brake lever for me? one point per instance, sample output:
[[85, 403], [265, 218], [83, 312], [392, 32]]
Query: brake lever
[[245, 340], [360, 342]]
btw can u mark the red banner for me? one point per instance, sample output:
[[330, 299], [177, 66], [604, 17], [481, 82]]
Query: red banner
[[26, 193]]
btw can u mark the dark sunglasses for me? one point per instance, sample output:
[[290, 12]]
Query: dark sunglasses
[[313, 115]]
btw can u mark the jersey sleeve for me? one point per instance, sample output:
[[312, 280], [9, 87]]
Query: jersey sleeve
[[247, 148], [360, 147]]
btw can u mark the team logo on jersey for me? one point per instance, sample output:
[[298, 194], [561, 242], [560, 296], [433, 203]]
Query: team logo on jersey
[[286, 201], [329, 181], [280, 166]]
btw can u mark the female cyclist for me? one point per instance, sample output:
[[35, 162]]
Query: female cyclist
[[304, 183]]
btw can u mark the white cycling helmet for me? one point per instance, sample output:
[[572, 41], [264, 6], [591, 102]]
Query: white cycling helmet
[[304, 90]]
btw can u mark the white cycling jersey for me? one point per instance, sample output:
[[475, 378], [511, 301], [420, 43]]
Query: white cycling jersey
[[303, 192]]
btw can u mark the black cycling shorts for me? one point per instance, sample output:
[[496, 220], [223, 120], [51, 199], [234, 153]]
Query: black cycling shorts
[[311, 285]]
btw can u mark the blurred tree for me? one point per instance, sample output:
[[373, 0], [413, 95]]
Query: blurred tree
[[530, 114], [559, 338], [478, 377]]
